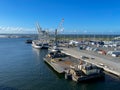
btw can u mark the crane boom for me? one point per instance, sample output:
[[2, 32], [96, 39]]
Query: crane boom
[[38, 28], [60, 25], [56, 30]]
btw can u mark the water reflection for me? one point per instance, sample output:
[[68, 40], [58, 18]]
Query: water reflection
[[39, 54], [36, 52]]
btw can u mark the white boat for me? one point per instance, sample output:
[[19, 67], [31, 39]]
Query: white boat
[[43, 39], [37, 44]]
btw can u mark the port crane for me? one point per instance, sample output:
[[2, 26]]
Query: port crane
[[59, 28], [41, 33]]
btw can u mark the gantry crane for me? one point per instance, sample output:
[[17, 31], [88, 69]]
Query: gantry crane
[[58, 29], [41, 33]]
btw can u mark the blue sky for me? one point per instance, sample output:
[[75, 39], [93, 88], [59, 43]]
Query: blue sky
[[80, 16]]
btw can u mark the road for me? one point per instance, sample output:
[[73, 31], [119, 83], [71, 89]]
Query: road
[[108, 63]]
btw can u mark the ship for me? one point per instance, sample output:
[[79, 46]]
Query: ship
[[84, 72], [40, 44], [43, 39], [29, 41], [56, 59]]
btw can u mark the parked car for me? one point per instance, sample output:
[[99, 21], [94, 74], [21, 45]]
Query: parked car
[[114, 53]]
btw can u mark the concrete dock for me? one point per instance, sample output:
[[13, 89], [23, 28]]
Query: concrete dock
[[61, 64], [108, 63]]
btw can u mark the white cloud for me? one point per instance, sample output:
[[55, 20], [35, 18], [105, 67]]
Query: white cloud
[[16, 30]]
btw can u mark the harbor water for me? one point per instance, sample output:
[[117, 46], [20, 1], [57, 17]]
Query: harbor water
[[22, 68]]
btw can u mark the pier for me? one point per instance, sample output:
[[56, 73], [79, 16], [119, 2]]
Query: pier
[[109, 64]]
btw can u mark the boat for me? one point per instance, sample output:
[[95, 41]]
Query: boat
[[39, 44], [43, 39], [54, 58], [45, 45], [73, 69], [29, 41], [84, 72]]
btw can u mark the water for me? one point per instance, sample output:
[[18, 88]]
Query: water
[[22, 68]]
